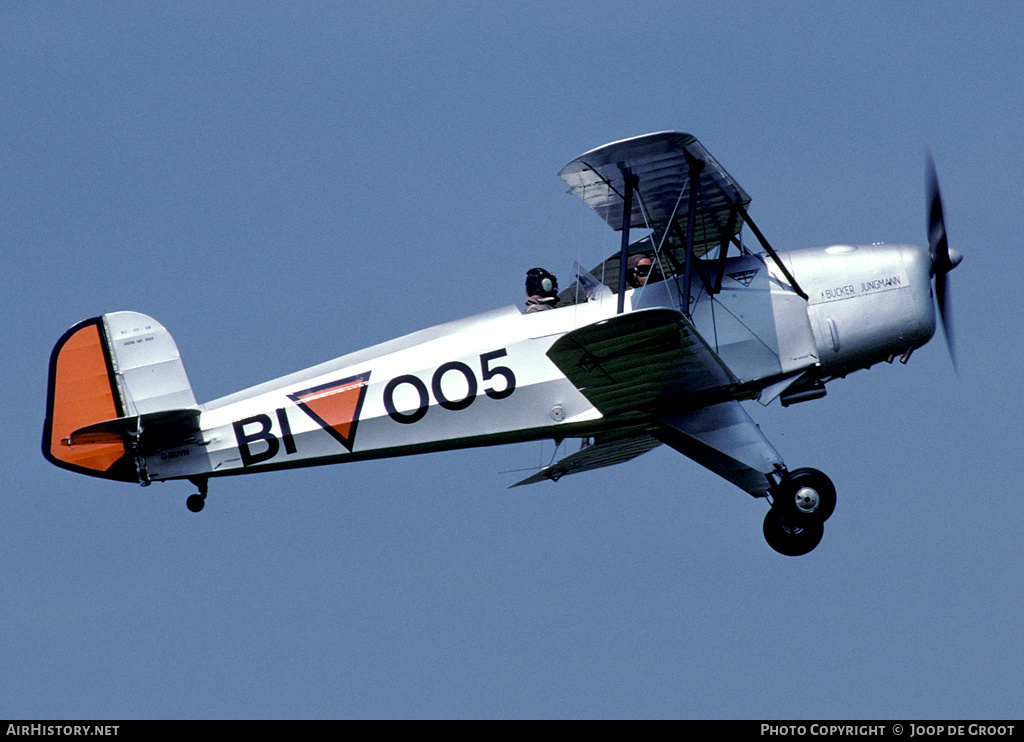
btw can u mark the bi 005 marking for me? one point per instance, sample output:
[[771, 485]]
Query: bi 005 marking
[[256, 432]]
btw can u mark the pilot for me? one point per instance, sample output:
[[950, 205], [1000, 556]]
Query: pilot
[[638, 270], [542, 290]]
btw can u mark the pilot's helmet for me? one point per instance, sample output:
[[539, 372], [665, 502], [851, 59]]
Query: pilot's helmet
[[541, 283], [636, 274]]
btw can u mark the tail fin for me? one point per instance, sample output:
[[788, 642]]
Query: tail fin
[[111, 369]]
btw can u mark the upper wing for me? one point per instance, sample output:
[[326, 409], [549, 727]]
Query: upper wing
[[661, 164], [638, 361]]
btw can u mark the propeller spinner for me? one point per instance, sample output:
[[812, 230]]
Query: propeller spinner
[[944, 259]]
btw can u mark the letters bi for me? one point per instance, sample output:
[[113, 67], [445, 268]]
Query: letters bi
[[256, 430]]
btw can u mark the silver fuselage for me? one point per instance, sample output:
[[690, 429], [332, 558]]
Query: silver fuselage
[[487, 379]]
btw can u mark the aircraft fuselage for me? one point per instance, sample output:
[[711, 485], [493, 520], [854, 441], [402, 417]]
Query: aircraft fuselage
[[487, 380]]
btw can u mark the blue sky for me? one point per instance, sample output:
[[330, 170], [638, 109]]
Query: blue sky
[[282, 183]]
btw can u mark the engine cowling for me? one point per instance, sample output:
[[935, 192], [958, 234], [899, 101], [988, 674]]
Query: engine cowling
[[866, 303]]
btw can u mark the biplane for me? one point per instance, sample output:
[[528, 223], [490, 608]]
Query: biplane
[[621, 365]]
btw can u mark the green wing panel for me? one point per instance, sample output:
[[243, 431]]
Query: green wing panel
[[638, 361]]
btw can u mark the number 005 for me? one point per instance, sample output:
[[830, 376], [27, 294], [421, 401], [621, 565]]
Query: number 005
[[487, 373]]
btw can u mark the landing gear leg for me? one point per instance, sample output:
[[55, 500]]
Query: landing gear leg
[[196, 502]]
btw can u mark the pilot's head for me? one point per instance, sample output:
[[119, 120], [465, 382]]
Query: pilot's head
[[638, 270], [541, 283]]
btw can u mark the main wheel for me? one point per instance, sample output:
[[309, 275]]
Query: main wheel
[[788, 539], [806, 496], [195, 503]]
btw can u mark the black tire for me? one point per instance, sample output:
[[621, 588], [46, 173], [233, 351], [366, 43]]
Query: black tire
[[791, 540], [195, 503], [786, 497]]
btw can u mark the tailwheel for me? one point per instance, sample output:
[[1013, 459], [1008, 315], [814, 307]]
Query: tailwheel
[[788, 539], [196, 502]]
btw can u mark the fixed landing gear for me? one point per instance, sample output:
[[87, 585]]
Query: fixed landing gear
[[788, 539], [196, 502], [805, 496], [802, 503]]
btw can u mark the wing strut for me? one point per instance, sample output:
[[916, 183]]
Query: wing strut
[[768, 248], [696, 166], [627, 211], [723, 252]]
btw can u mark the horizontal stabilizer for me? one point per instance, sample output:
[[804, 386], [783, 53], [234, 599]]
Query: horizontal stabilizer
[[155, 430], [594, 457]]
